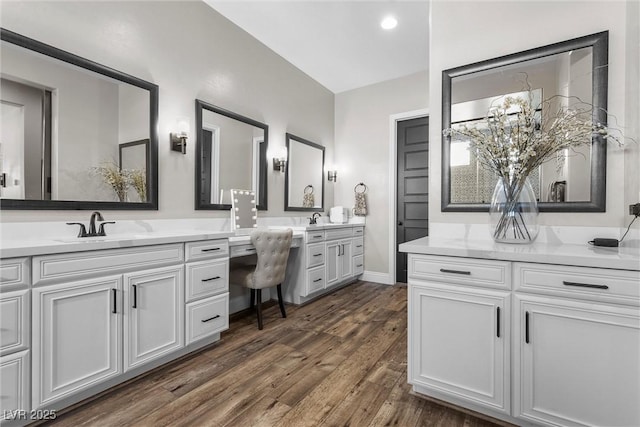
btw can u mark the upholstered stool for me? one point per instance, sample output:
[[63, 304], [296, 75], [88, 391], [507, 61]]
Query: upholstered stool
[[272, 249]]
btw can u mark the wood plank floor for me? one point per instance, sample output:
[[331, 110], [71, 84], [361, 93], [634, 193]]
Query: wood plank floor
[[338, 361]]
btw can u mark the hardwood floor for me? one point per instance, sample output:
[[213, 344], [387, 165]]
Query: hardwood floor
[[339, 361]]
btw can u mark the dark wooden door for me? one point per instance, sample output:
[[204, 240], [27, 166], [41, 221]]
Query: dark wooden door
[[412, 186]]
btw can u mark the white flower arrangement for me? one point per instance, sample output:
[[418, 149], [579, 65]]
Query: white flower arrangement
[[118, 179]]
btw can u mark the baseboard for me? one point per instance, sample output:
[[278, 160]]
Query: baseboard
[[375, 277]]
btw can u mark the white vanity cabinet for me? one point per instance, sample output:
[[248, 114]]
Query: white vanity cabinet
[[459, 330], [207, 285], [98, 314], [77, 336], [576, 361], [15, 339], [339, 262], [530, 343], [154, 314]]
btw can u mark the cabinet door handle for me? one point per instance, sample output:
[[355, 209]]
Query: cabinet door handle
[[526, 327], [444, 270], [114, 293], [359, 246], [211, 249], [498, 322], [210, 319], [359, 265], [317, 254], [317, 280], [135, 296], [210, 279], [584, 285]]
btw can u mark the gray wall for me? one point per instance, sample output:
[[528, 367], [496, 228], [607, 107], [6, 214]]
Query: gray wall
[[191, 52]]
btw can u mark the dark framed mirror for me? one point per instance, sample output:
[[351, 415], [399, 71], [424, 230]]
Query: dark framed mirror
[[575, 69], [65, 153], [231, 153], [303, 181]]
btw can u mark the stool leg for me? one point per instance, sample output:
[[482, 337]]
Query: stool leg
[[259, 307], [280, 301], [252, 302]]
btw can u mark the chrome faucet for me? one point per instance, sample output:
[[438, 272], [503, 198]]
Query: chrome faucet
[[92, 226], [314, 218]]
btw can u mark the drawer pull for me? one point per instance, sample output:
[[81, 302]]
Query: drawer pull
[[318, 236], [317, 280], [526, 327], [115, 302], [210, 319], [444, 270], [250, 249], [359, 246], [210, 279], [135, 296], [359, 265], [498, 322], [584, 285], [317, 254], [211, 249]]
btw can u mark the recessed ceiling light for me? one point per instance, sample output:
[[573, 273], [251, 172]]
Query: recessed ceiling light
[[389, 23]]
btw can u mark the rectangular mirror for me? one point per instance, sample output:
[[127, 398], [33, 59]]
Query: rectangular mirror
[[231, 153], [558, 75], [65, 119], [304, 176]]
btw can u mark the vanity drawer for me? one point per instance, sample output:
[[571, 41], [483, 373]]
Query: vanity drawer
[[595, 284], [14, 273], [315, 280], [315, 236], [358, 265], [242, 250], [358, 231], [72, 266], [206, 278], [338, 233], [358, 245], [315, 255], [464, 271], [207, 249], [207, 317], [14, 321]]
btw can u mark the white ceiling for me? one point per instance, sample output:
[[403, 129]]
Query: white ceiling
[[339, 43]]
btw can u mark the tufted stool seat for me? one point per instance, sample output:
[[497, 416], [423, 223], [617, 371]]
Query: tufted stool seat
[[272, 250]]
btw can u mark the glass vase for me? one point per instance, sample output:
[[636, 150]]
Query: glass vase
[[514, 212]]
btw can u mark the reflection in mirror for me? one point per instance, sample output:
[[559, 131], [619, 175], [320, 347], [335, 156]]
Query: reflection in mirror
[[559, 76], [232, 153], [243, 209], [64, 119], [304, 183], [134, 160]]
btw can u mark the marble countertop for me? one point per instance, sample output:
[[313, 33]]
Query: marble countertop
[[324, 226], [30, 247], [563, 254]]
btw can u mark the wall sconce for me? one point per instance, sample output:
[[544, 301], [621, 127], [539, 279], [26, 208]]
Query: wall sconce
[[332, 175], [179, 138], [280, 161], [279, 164]]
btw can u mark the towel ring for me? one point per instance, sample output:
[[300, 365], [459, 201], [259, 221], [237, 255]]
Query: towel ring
[[362, 184], [310, 187]]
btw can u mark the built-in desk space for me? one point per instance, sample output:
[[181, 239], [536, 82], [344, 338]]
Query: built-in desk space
[[240, 244]]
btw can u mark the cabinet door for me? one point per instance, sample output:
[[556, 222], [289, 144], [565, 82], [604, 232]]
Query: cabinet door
[[576, 363], [459, 343], [154, 314], [14, 384], [76, 337], [346, 260], [332, 260]]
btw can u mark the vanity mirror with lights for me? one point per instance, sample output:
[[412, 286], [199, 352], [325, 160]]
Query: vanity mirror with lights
[[231, 152], [566, 73], [304, 183], [75, 134]]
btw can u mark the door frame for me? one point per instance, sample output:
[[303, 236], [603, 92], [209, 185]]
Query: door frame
[[393, 184]]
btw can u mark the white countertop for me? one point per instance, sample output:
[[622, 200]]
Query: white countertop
[[547, 253], [29, 247]]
